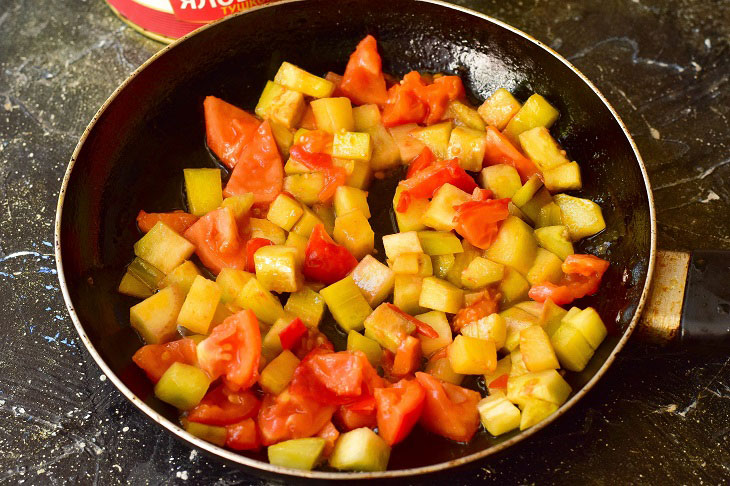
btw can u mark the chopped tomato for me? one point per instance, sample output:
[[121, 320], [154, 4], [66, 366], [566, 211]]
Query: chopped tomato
[[438, 95], [259, 169], [324, 260], [233, 350], [449, 410], [399, 408], [330, 434], [308, 121], [363, 81], [478, 221], [407, 357], [221, 406], [317, 142], [582, 276], [335, 79], [177, 220], [403, 104], [243, 436], [154, 359], [424, 159], [480, 194], [291, 334], [314, 339], [585, 265], [291, 416], [501, 151], [251, 246], [421, 327], [499, 382], [334, 176], [486, 304], [229, 129], [427, 181], [351, 419], [217, 241]]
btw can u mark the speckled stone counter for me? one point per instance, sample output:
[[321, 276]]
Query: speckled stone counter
[[659, 416]]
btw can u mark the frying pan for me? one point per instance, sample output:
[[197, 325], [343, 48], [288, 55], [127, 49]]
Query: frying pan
[[131, 155]]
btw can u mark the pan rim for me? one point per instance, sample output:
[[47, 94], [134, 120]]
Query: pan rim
[[242, 460]]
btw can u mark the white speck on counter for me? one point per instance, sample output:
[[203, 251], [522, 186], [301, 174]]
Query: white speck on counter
[[711, 196], [193, 455], [708, 43], [182, 475], [655, 133], [125, 429], [102, 377]]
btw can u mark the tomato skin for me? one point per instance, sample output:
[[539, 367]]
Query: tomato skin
[[399, 408], [221, 406], [291, 334], [243, 436], [312, 340], [403, 104], [217, 241], [251, 246], [477, 221], [324, 260], [501, 151], [330, 434], [424, 159], [154, 359], [229, 129], [487, 304], [449, 410], [334, 176], [583, 274], [291, 416], [499, 382], [350, 419], [407, 357], [177, 220], [233, 350], [438, 95], [363, 81], [259, 168], [585, 265], [427, 181], [421, 327]]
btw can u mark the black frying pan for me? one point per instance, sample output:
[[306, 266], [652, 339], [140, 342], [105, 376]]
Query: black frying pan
[[131, 156]]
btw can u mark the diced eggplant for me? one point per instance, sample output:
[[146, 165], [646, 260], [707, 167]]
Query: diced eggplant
[[440, 295], [581, 216], [472, 356], [435, 137], [278, 268], [499, 108], [360, 450], [155, 318], [555, 239], [306, 304], [281, 104], [537, 351], [298, 79], [333, 114], [388, 327], [370, 347], [302, 454], [277, 375], [347, 304], [438, 322], [284, 212], [515, 245], [200, 305], [263, 228], [163, 248], [502, 179], [374, 279], [547, 268], [536, 112], [440, 213], [407, 293], [481, 272], [492, 327], [353, 231], [182, 386]]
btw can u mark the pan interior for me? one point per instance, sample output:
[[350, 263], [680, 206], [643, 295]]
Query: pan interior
[[132, 158]]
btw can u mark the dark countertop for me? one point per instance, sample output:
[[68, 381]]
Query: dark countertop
[[659, 416]]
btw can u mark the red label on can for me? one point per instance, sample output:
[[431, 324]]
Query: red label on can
[[209, 10]]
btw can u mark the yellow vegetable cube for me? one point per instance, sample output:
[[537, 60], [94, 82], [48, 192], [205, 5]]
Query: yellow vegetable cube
[[398, 243], [371, 348], [353, 231], [293, 166], [589, 324], [410, 219], [349, 198], [407, 293], [438, 322], [544, 385], [163, 248], [408, 146], [256, 297], [333, 114], [527, 191], [374, 279], [182, 276], [581, 216], [231, 281], [204, 190], [284, 212], [461, 262], [366, 116], [551, 317], [306, 304], [550, 215], [537, 352], [563, 178], [499, 108], [359, 172], [280, 104], [155, 318], [492, 327], [134, 287], [211, 433], [503, 180], [352, 145], [440, 213], [182, 386], [440, 243], [542, 149], [277, 375], [299, 243], [326, 213], [302, 454], [386, 153], [262, 228], [555, 239], [435, 137], [481, 272], [413, 264], [388, 327], [518, 365], [533, 207], [305, 187], [200, 305], [239, 205], [535, 411], [283, 136], [498, 415], [306, 223], [442, 264], [347, 304], [515, 245], [278, 268], [517, 320], [571, 348], [464, 115], [547, 268], [360, 450], [513, 287], [504, 367], [469, 146], [472, 356], [298, 79], [440, 295], [536, 112]]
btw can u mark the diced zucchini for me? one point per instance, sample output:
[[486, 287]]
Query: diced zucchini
[[359, 172], [305, 187], [555, 239], [408, 146], [211, 433], [222, 312], [352, 145], [464, 115], [535, 411], [533, 207], [504, 367], [132, 286], [536, 112], [407, 293], [283, 136], [498, 415], [551, 317], [239, 205], [481, 272], [306, 304], [461, 262], [182, 386], [280, 104], [437, 320], [537, 352], [256, 297], [182, 276], [231, 281], [299, 243], [435, 137], [302, 454], [271, 343], [442, 264], [440, 213], [517, 212], [204, 190], [370, 347], [353, 231], [571, 348], [544, 385], [499, 108], [347, 304], [550, 215], [472, 356], [163, 248], [360, 450], [333, 114], [386, 153], [469, 146], [581, 216], [407, 242], [531, 307], [527, 191], [155, 318], [492, 327], [517, 320], [547, 268], [276, 376], [388, 327], [410, 219], [374, 279], [513, 287], [200, 305], [147, 274], [349, 198], [293, 166], [278, 268], [589, 324], [518, 365], [503, 180], [413, 264], [542, 149], [440, 295], [439, 242], [440, 367], [298, 79], [263, 228], [366, 116], [284, 212], [563, 178], [515, 245], [306, 223]]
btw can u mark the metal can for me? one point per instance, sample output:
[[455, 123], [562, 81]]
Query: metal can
[[167, 20]]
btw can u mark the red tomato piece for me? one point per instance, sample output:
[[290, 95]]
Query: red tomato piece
[[403, 104], [251, 246], [291, 334], [363, 81], [585, 265], [243, 436], [499, 382], [324, 260], [486, 304], [478, 221], [334, 176], [335, 79], [449, 410], [259, 169], [424, 159], [559, 294], [154, 359], [311, 341], [501, 151], [330, 434], [407, 358], [583, 274], [308, 121], [217, 241], [438, 95], [229, 129], [399, 408], [427, 181], [291, 416], [177, 220], [349, 419], [317, 142], [421, 327], [220, 406], [233, 350]]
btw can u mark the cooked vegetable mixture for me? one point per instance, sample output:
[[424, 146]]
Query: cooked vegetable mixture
[[475, 281]]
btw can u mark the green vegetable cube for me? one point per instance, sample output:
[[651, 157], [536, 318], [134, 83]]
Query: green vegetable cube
[[278, 268], [437, 320], [333, 114], [550, 215], [533, 207], [515, 245], [374, 279], [413, 264], [547, 268], [360, 450], [347, 304], [469, 146], [359, 172], [464, 115], [352, 145], [388, 327], [590, 325], [527, 191], [353, 231], [211, 433], [555, 239], [182, 386], [544, 385], [231, 281], [256, 297], [442, 264], [571, 348], [439, 243], [283, 136], [200, 305], [386, 153], [517, 320], [551, 317], [263, 228], [498, 415], [435, 137], [542, 149], [155, 318], [280, 104], [398, 243], [407, 293], [147, 274], [371, 348], [277, 375], [239, 205], [461, 262], [503, 180], [284, 212], [536, 112], [481, 272], [440, 295], [499, 109], [306, 223], [535, 411], [513, 287], [410, 219], [350, 198], [163, 248], [182, 276], [132, 286], [308, 305], [440, 213], [565, 177], [204, 190], [492, 327], [302, 454], [581, 216], [298, 79]]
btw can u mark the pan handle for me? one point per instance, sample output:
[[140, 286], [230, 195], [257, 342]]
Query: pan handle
[[689, 303]]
